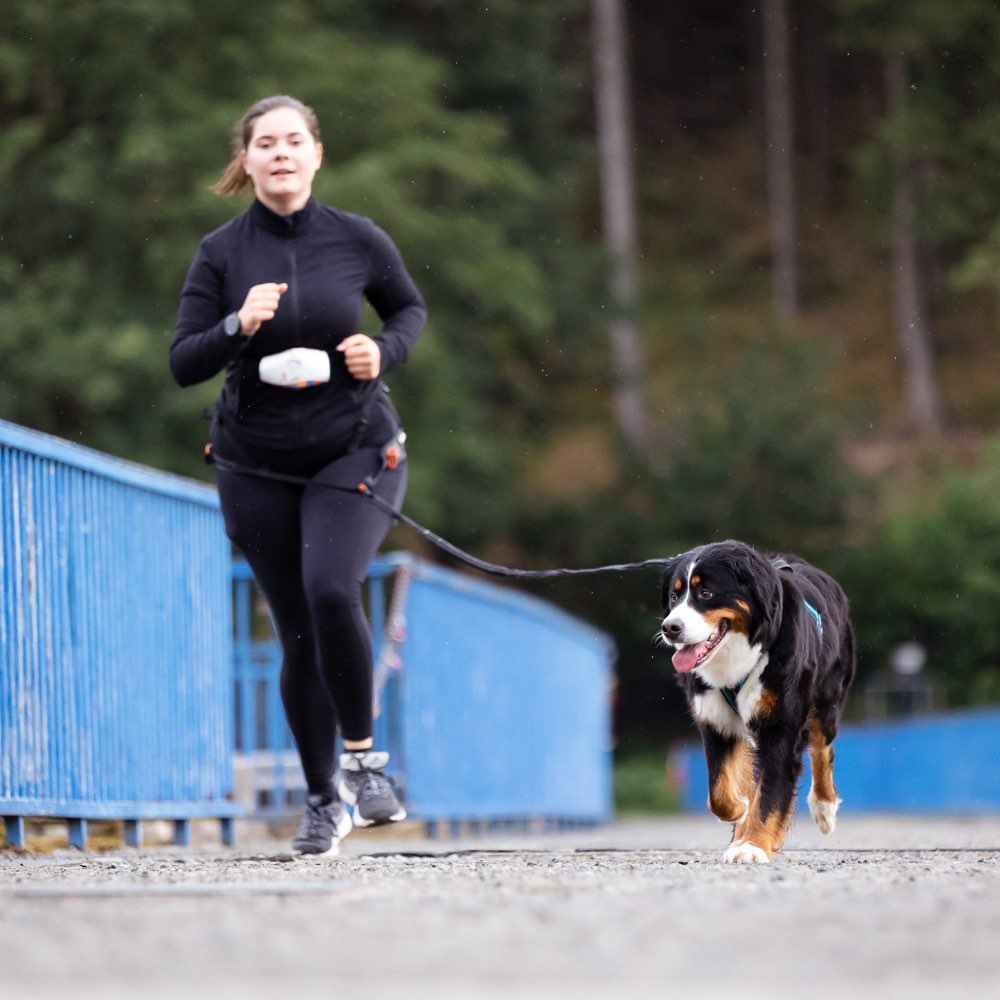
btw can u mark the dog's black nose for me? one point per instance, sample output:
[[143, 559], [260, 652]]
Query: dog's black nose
[[672, 630]]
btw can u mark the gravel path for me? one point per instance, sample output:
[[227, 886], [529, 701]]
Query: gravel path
[[887, 907]]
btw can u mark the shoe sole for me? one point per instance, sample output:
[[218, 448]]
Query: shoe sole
[[332, 850], [346, 795], [342, 828], [378, 821]]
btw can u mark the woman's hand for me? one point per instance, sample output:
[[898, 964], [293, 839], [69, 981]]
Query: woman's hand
[[362, 356], [260, 304]]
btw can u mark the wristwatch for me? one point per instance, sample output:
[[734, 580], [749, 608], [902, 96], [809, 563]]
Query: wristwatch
[[231, 324]]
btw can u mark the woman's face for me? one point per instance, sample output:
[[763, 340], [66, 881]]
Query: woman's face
[[281, 159]]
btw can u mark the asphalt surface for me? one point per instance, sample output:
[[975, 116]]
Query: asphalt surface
[[885, 907]]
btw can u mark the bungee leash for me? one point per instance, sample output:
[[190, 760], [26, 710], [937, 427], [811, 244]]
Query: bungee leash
[[391, 455]]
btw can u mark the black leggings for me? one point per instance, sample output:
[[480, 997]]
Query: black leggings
[[309, 548]]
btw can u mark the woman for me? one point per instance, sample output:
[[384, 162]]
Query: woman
[[286, 275]]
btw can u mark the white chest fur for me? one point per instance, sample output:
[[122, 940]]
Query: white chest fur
[[711, 707]]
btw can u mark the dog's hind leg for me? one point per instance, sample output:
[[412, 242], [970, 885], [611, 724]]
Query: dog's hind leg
[[823, 800], [824, 721]]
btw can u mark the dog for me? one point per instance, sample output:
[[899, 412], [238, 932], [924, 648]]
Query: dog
[[764, 650]]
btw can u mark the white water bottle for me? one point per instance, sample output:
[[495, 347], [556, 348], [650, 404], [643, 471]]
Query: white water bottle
[[296, 368]]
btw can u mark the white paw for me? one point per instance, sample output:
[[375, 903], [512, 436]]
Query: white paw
[[824, 813], [745, 854]]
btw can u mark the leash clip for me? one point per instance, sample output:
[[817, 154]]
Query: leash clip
[[391, 456], [394, 452]]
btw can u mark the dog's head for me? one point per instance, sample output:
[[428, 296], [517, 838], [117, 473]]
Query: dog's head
[[721, 606]]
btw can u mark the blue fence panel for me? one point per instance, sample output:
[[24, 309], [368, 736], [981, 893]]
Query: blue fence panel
[[931, 764], [494, 706], [115, 689], [505, 705]]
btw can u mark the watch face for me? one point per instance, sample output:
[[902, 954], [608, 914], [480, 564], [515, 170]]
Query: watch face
[[232, 325]]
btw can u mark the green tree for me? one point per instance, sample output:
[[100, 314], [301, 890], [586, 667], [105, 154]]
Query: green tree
[[928, 168], [933, 576]]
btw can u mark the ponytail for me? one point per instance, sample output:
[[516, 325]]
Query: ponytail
[[234, 179]]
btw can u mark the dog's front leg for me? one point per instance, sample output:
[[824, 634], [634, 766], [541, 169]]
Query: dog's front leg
[[730, 775], [763, 831]]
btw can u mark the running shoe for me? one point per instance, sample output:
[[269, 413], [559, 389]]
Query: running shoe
[[325, 824], [362, 783]]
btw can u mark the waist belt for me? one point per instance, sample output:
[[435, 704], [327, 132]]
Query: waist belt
[[391, 456]]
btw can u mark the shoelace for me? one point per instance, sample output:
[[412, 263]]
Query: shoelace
[[317, 820], [374, 781]]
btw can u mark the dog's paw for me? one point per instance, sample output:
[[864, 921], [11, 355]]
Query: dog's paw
[[745, 854], [824, 813]]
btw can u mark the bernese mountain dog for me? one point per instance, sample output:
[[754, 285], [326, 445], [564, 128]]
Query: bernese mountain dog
[[764, 651]]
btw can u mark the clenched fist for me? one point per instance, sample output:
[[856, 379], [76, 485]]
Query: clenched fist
[[260, 304], [362, 356]]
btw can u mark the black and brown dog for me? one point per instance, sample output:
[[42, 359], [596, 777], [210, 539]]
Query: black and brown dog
[[764, 650]]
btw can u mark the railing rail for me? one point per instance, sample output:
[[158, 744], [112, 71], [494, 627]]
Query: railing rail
[[115, 684]]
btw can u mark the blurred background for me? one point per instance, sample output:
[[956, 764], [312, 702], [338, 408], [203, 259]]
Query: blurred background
[[695, 270]]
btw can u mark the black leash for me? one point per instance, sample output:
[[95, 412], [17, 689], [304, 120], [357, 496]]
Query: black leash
[[367, 489]]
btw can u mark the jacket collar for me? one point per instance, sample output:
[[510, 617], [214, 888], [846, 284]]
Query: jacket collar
[[284, 225]]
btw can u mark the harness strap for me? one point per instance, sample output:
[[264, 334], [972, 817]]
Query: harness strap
[[730, 693], [817, 616], [779, 564]]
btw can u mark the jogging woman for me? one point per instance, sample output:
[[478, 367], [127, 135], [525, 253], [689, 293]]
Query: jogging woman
[[274, 299]]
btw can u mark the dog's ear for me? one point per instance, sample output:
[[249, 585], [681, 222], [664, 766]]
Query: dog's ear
[[763, 582]]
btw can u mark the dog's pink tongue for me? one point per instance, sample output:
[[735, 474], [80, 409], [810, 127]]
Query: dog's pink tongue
[[685, 657]]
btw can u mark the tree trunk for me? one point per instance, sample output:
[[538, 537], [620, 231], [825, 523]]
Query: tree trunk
[[923, 400], [614, 136], [779, 157], [813, 52]]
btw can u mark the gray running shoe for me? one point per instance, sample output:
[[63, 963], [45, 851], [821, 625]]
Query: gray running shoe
[[325, 824], [372, 793]]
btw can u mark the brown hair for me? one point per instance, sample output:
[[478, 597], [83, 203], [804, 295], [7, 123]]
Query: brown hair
[[234, 178]]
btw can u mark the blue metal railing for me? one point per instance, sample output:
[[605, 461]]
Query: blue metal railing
[[495, 706], [134, 661], [115, 684], [928, 764]]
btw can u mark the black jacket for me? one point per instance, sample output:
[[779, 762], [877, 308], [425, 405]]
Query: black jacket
[[332, 261]]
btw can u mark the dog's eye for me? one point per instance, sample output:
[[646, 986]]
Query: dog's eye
[[673, 599], [704, 594]]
